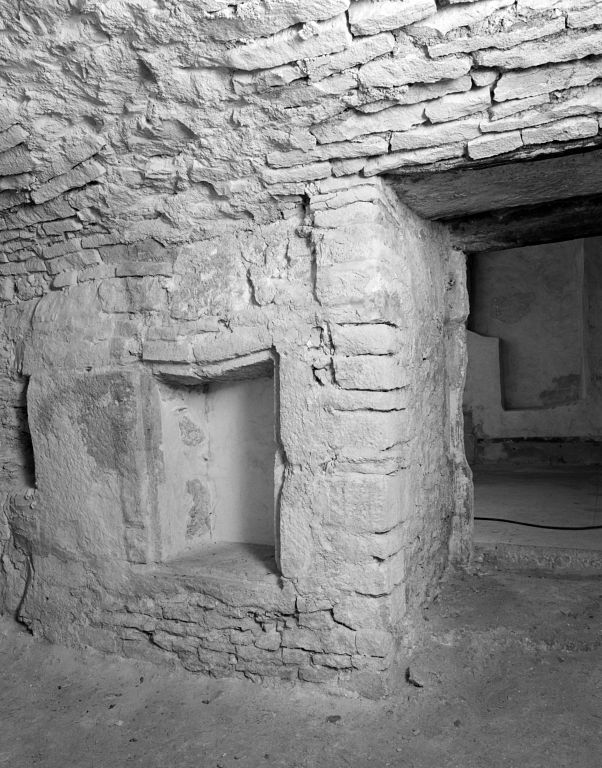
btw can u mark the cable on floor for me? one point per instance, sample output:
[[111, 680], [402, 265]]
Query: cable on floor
[[539, 525]]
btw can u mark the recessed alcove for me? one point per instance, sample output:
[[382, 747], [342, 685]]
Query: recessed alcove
[[219, 456]]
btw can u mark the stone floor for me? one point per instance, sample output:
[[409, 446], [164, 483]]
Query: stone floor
[[510, 666], [570, 496]]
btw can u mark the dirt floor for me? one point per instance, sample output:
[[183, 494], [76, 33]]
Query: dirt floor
[[511, 669]]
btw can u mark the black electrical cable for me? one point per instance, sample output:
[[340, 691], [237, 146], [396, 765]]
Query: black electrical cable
[[538, 525]]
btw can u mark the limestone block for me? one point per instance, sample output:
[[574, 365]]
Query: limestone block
[[61, 226], [76, 260], [371, 145], [308, 172], [365, 339], [360, 502], [100, 239], [564, 47], [35, 265], [359, 190], [257, 18], [365, 612], [347, 167], [458, 105], [538, 80], [348, 219], [374, 372], [144, 268], [65, 279], [359, 52], [166, 351], [354, 400], [7, 289], [334, 660], [337, 639], [62, 248], [465, 15], [10, 113], [15, 161], [295, 656], [514, 36], [254, 653], [434, 135], [269, 592], [582, 104], [481, 77], [507, 108], [247, 346], [311, 40], [368, 17], [91, 467], [524, 6], [370, 432], [12, 199], [131, 294], [97, 272], [13, 136], [355, 547], [562, 130], [413, 157], [270, 641], [374, 642], [374, 578], [494, 144], [412, 94], [412, 68], [13, 268], [316, 620], [318, 674], [78, 177], [266, 78], [399, 118], [344, 285], [584, 18]]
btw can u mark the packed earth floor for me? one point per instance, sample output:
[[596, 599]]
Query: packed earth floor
[[508, 672]]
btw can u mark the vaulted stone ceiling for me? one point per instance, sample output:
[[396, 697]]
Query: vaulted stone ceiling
[[165, 121]]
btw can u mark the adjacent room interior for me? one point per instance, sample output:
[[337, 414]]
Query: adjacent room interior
[[533, 398]]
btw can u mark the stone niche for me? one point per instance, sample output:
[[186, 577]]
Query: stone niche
[[219, 452]]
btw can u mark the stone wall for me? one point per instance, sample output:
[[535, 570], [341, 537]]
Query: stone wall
[[359, 307], [187, 184]]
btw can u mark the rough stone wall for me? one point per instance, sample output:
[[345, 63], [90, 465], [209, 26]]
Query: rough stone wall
[[184, 183], [127, 124], [360, 327]]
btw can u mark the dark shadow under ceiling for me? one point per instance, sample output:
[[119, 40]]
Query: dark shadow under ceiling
[[505, 205]]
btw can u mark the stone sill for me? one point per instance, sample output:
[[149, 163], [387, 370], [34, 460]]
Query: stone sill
[[238, 574], [238, 560]]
